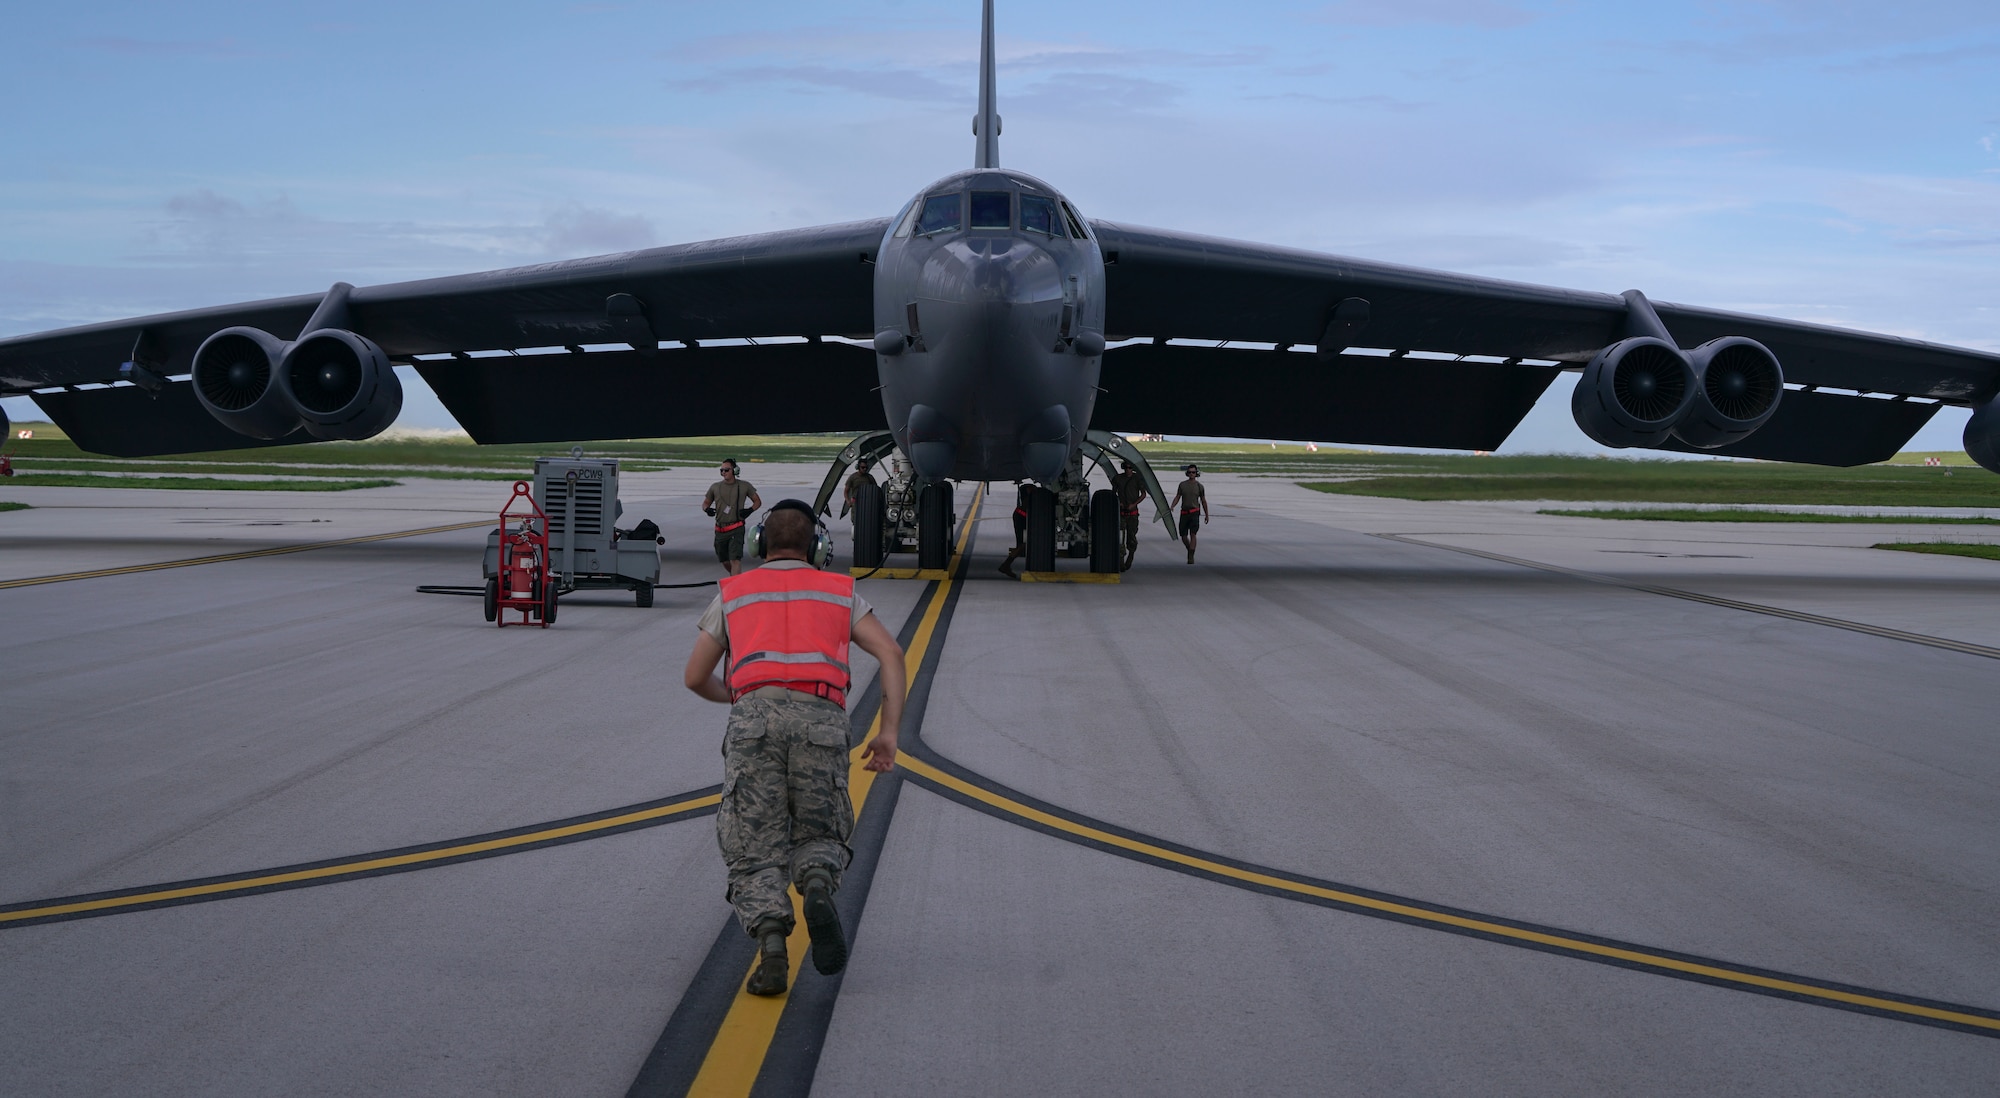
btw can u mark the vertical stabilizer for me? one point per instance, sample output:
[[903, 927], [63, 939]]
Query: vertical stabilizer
[[986, 126]]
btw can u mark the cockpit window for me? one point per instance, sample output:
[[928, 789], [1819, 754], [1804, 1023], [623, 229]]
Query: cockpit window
[[992, 210], [1038, 214], [940, 214], [1075, 223]]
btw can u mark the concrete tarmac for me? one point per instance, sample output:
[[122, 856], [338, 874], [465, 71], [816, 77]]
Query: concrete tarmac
[[1505, 740]]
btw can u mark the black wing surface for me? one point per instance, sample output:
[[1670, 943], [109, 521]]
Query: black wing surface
[[1162, 285], [806, 282]]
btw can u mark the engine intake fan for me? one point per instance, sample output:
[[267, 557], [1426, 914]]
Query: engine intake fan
[[1738, 385], [234, 372], [1982, 435], [1634, 392], [342, 385]]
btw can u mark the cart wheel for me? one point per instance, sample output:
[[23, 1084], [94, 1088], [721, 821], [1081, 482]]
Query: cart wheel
[[642, 595], [549, 603], [493, 600]]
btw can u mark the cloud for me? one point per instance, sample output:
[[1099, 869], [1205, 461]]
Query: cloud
[[583, 230], [907, 85], [1484, 14]]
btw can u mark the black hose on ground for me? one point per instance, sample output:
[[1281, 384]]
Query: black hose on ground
[[480, 592]]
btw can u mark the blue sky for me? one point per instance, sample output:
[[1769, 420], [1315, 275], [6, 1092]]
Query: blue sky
[[1831, 161]]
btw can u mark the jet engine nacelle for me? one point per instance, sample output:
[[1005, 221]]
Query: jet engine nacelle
[[235, 373], [1738, 383], [342, 385], [1982, 435], [1634, 392]]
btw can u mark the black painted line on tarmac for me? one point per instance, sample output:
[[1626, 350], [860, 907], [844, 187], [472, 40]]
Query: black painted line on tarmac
[[354, 867], [1963, 647], [676, 1057], [953, 782], [793, 1060], [249, 554]]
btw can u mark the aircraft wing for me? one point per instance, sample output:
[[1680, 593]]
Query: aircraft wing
[[1169, 286], [801, 283]]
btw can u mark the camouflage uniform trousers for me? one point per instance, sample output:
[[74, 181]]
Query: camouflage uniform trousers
[[784, 801], [1131, 525]]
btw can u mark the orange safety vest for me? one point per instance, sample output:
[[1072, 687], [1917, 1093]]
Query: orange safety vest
[[789, 627]]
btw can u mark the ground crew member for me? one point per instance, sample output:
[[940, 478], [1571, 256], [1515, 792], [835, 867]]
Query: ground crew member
[[1020, 548], [730, 502], [1192, 503], [854, 481], [785, 816], [1131, 489]]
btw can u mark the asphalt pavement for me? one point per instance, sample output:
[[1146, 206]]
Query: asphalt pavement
[[1376, 797]]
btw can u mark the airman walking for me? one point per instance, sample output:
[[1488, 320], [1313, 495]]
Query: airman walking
[[730, 501], [1192, 503]]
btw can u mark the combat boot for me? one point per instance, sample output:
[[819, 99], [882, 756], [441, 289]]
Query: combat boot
[[829, 942], [773, 964]]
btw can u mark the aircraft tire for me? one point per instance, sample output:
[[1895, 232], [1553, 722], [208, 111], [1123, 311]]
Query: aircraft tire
[[869, 551], [1104, 531], [934, 526], [1041, 530]]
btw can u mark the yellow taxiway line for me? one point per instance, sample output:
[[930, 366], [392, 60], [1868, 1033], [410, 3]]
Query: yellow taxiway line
[[361, 865], [744, 1038], [248, 554], [1620, 954]]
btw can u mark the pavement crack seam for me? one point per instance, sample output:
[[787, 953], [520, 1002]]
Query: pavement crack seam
[[492, 844], [249, 554], [945, 778], [721, 1040], [1964, 647]]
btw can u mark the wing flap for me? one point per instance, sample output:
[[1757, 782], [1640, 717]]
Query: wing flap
[[1349, 399], [1829, 429], [772, 388], [127, 421]]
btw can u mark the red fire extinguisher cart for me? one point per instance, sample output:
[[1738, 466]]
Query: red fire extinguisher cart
[[522, 584]]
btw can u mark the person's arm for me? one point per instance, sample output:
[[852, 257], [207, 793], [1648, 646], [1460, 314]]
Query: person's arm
[[1206, 518], [875, 640], [700, 675], [708, 501], [755, 503]]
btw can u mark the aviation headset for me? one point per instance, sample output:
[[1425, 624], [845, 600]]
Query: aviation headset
[[822, 545]]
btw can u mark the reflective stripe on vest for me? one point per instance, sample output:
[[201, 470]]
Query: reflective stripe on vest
[[792, 626]]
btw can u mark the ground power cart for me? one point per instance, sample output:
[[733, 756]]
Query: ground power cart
[[576, 503]]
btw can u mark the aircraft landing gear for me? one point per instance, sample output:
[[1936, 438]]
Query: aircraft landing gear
[[934, 525], [1104, 547], [870, 547], [1041, 530]]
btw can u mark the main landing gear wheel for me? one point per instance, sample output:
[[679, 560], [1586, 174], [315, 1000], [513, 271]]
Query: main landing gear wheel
[[1041, 530], [869, 551], [934, 525], [642, 595], [1104, 531]]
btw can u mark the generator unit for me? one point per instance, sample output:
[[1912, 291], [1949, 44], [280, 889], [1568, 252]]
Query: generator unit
[[587, 551]]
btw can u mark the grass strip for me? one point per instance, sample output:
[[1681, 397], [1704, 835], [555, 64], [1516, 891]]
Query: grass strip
[[1669, 514], [1686, 482], [1945, 548], [8, 505], [289, 484]]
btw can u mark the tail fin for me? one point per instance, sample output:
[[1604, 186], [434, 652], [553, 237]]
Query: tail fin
[[986, 126]]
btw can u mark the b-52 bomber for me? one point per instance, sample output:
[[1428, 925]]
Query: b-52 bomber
[[997, 323]]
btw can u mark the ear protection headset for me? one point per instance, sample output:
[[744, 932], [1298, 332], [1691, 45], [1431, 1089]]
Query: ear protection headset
[[822, 545]]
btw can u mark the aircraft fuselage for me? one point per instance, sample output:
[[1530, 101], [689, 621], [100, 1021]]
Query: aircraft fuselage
[[989, 313]]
